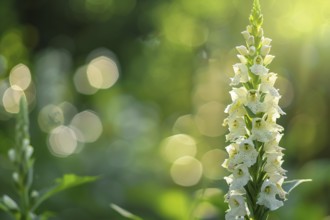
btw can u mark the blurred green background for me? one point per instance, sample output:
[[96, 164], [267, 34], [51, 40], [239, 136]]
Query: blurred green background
[[134, 91]]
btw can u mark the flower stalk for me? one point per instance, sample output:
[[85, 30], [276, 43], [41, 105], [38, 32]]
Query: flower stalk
[[255, 157], [21, 157]]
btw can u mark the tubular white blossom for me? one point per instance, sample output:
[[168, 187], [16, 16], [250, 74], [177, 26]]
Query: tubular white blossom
[[267, 196], [237, 207]]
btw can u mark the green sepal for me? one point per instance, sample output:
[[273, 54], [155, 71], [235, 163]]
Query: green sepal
[[64, 183], [124, 212], [248, 122], [249, 112], [262, 97], [288, 186]]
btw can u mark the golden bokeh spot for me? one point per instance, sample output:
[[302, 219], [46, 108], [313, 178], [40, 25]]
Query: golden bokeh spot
[[50, 117], [186, 171], [20, 76], [11, 98], [102, 72], [87, 126], [62, 141], [177, 146]]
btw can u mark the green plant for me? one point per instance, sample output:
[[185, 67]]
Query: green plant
[[256, 185], [21, 156]]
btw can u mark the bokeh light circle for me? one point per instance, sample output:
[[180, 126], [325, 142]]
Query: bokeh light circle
[[11, 98], [20, 76], [87, 126], [102, 72], [177, 146], [50, 117], [186, 171], [62, 141]]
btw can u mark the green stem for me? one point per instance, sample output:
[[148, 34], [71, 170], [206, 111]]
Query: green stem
[[24, 162]]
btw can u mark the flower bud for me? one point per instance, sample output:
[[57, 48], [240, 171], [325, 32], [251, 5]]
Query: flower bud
[[15, 177], [34, 194], [266, 41], [242, 50], [28, 152], [252, 51], [12, 155], [246, 35], [9, 202], [265, 50], [250, 41], [268, 59]]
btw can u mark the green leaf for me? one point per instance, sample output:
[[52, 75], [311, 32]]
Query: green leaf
[[46, 215], [3, 207], [288, 186], [124, 212], [66, 182]]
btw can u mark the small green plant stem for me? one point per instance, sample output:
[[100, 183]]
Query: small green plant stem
[[23, 163]]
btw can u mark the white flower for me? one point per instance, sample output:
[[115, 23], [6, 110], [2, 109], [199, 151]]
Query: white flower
[[235, 109], [237, 207], [254, 103], [258, 68], [272, 146], [272, 108], [241, 74], [274, 163], [247, 153], [278, 180], [242, 50], [239, 94], [239, 178], [261, 130], [267, 196], [267, 84], [237, 128], [232, 161]]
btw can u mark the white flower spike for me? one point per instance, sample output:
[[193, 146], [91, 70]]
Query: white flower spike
[[254, 156]]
